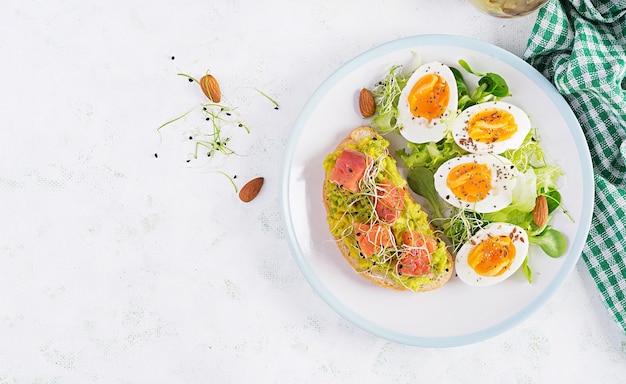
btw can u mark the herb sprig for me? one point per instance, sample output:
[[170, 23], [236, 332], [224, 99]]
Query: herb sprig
[[214, 137]]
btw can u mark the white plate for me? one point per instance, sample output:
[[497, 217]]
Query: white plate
[[455, 314]]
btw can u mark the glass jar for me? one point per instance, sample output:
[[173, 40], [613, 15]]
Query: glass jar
[[507, 8]]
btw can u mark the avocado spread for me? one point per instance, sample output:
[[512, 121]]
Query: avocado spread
[[347, 208]]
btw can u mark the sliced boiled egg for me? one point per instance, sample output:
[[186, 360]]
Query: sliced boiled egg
[[429, 98], [492, 127], [477, 182], [492, 255]]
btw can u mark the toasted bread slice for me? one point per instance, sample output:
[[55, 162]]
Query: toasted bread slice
[[383, 276]]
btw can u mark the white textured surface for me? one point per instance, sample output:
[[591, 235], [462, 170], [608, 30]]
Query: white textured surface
[[119, 267]]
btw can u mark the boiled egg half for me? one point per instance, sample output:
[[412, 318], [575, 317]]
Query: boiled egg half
[[492, 255], [428, 100], [492, 127], [477, 182]]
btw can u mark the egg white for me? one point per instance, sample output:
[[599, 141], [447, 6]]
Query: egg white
[[462, 138], [418, 129], [503, 180], [469, 276]]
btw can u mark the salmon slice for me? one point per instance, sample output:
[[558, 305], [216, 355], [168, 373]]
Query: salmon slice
[[415, 260], [349, 169], [372, 238], [389, 201]]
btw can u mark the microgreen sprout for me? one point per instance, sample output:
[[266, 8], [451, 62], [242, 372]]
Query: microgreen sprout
[[386, 94], [267, 97], [191, 78], [173, 120], [232, 181], [461, 226]]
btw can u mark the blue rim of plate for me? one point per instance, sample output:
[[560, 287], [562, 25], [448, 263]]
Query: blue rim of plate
[[505, 56]]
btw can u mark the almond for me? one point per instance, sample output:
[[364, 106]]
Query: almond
[[540, 212], [252, 188], [211, 88], [367, 105]]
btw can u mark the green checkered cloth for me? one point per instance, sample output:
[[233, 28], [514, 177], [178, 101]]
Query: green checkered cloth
[[580, 45]]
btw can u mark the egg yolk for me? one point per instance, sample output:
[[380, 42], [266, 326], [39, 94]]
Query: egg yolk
[[491, 125], [470, 182], [492, 257], [429, 97]]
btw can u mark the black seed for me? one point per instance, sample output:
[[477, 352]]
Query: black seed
[[173, 57], [235, 176], [188, 161], [156, 155], [190, 138], [191, 80], [276, 108]]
